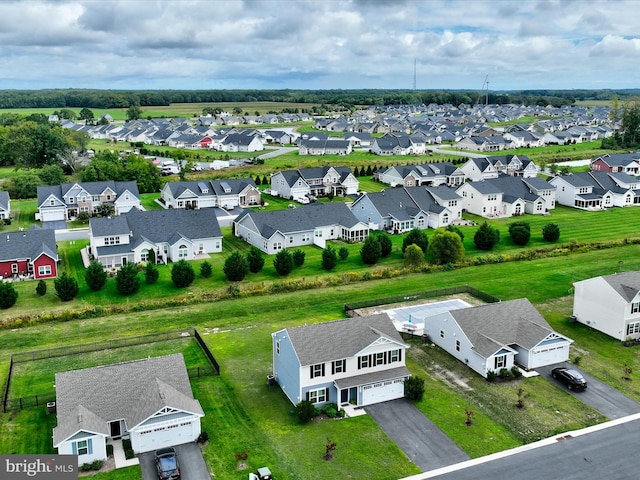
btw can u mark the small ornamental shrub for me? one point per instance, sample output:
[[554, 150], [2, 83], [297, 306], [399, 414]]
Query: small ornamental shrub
[[445, 247], [491, 376], [151, 273], [371, 251], [329, 258], [386, 246], [127, 280], [283, 262], [8, 295], [255, 259], [203, 437], [304, 411], [504, 373], [520, 232], [298, 257], [551, 232], [41, 289], [66, 287], [343, 253], [456, 230], [515, 371], [236, 267], [95, 276], [417, 237], [486, 237], [414, 388], [413, 256], [182, 274], [205, 269]]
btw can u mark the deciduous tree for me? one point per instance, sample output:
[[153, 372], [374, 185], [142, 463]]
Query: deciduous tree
[[417, 237], [445, 247]]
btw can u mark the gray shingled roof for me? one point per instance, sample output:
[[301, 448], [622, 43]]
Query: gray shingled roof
[[88, 399], [485, 187], [93, 188], [627, 284], [619, 159], [27, 244], [324, 342], [489, 327]]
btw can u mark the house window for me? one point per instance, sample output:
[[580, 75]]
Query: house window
[[492, 197], [278, 347], [290, 238], [421, 222], [500, 361], [112, 241], [635, 307], [71, 200], [317, 370], [363, 362], [306, 237], [82, 447], [277, 246], [144, 255], [52, 202], [44, 270], [318, 396], [394, 356], [633, 328], [182, 251], [457, 345], [14, 268], [379, 359], [318, 233], [95, 198], [441, 333], [339, 366]]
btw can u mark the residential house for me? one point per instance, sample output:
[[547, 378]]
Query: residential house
[[312, 224], [229, 193], [148, 401], [359, 360], [441, 173], [160, 235], [496, 336], [485, 168], [597, 189], [484, 198], [610, 304], [359, 139], [329, 146], [390, 144], [539, 195], [5, 205], [28, 254], [617, 162], [479, 168], [485, 144], [66, 201], [316, 181], [240, 142], [398, 210]]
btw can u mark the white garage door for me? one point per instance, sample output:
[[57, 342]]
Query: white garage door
[[165, 436], [383, 391], [549, 356]]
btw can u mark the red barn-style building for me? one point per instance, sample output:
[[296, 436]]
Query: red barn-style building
[[30, 254]]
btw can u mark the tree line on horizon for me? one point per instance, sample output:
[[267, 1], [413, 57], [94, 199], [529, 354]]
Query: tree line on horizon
[[104, 99]]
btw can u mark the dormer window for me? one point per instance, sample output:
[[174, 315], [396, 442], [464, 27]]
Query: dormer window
[[71, 200]]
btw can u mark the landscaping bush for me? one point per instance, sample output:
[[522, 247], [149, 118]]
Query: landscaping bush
[[96, 464], [414, 388], [283, 262], [236, 267], [413, 256], [515, 371], [491, 376], [304, 411], [85, 467], [8, 295], [205, 269], [551, 232], [343, 253], [417, 237], [151, 273], [486, 237], [109, 450], [127, 280], [371, 251], [95, 276], [203, 437], [329, 258], [386, 246], [83, 217], [66, 287], [255, 259], [504, 373], [182, 274], [520, 232], [456, 230], [445, 247], [298, 257], [41, 288]]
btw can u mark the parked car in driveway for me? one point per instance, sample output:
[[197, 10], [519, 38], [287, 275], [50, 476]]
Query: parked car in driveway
[[167, 464], [571, 378]]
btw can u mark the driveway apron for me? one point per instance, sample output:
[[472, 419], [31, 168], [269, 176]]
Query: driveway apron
[[417, 436], [598, 395], [192, 465]]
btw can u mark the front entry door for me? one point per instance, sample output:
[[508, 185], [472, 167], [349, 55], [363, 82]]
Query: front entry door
[[116, 432]]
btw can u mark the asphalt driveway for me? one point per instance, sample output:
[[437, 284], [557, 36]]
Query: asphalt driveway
[[192, 466], [598, 395], [417, 436]]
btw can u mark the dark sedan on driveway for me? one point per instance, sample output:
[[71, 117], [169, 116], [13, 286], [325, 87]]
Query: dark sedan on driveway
[[571, 378], [167, 464]]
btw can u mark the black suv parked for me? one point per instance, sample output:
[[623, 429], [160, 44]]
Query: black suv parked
[[571, 378]]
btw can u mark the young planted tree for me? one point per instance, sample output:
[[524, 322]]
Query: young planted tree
[[283, 262], [95, 276], [205, 269], [520, 232], [298, 257], [66, 287], [551, 232], [329, 258], [255, 259], [457, 230], [416, 237], [413, 256], [127, 280], [41, 288], [371, 251], [486, 237], [182, 274], [386, 246], [329, 448], [151, 273], [343, 253], [236, 267], [414, 388], [445, 247], [8, 295]]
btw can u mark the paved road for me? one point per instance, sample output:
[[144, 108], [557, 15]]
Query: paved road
[[278, 152], [458, 153], [192, 465], [603, 452], [76, 234], [598, 395], [424, 443]]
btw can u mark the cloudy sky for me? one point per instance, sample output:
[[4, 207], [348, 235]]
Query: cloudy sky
[[319, 44]]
